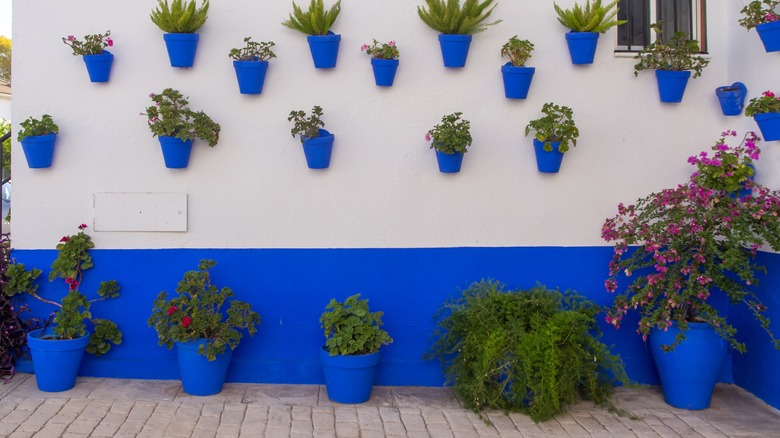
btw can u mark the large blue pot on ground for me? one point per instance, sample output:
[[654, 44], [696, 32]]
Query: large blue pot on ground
[[99, 66], [731, 98], [548, 162], [56, 362], [181, 48], [517, 80], [770, 35], [582, 46], [769, 124], [384, 71], [449, 163], [39, 150], [671, 84], [324, 49], [349, 379], [200, 376], [689, 372], [318, 150], [454, 49], [251, 76], [176, 152]]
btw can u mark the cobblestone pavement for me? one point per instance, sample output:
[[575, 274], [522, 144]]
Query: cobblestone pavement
[[158, 408]]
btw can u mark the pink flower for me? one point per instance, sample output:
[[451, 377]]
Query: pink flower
[[110, 42], [428, 136], [71, 38], [82, 226], [391, 43], [151, 95], [768, 93], [64, 239], [364, 47]]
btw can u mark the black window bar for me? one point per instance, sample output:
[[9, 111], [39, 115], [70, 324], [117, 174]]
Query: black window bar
[[675, 16]]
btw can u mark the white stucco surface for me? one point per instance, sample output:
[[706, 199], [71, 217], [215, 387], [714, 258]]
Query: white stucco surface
[[383, 188]]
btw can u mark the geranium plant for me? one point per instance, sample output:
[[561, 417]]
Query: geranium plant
[[32, 127], [92, 44], [759, 12], [452, 17], [253, 51], [451, 136], [676, 249], [197, 312], [767, 103], [169, 116], [678, 54], [557, 125], [74, 310], [351, 329], [381, 51], [518, 51], [306, 126]]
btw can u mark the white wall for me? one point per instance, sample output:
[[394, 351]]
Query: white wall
[[383, 188]]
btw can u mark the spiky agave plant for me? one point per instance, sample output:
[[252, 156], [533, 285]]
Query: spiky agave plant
[[316, 20], [179, 17], [450, 17], [593, 18]]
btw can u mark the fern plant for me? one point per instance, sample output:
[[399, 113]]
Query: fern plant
[[179, 17], [450, 17], [316, 20], [593, 18]]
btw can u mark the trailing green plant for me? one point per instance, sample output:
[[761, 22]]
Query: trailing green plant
[[518, 51], [74, 312], [351, 329], [381, 51], [196, 312], [32, 127], [170, 116], [316, 20], [92, 45], [557, 125], [592, 18], [678, 54], [306, 127], [253, 51], [533, 351], [181, 16], [451, 136], [759, 12], [452, 17], [766, 103]]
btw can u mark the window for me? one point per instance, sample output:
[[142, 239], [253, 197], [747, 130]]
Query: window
[[676, 16]]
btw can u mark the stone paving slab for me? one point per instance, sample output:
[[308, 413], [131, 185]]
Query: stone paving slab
[[158, 408]]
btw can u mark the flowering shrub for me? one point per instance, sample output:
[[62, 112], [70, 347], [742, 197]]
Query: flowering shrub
[[253, 51], [759, 12], [518, 51], [452, 135], [767, 103], [170, 116], [92, 45], [196, 313], [381, 51], [693, 242]]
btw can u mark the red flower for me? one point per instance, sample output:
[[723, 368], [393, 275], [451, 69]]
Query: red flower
[[64, 239], [186, 321], [72, 283], [172, 309], [82, 226]]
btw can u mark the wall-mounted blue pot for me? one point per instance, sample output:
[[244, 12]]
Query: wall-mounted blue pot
[[449, 163], [384, 71], [454, 49], [548, 162], [324, 49], [181, 48], [251, 76], [56, 362], [770, 35], [200, 376], [99, 66], [517, 80], [39, 150], [176, 152], [731, 98], [318, 150], [769, 124], [582, 46], [671, 84]]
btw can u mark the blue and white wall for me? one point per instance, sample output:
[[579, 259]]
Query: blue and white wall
[[382, 220]]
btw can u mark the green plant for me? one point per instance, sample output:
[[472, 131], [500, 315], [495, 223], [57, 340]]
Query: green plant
[[680, 53], [767, 103], [557, 125], [451, 136], [315, 21], [759, 12], [32, 127], [384, 51], [253, 51], [306, 127], [681, 247], [351, 329], [72, 260], [170, 116], [92, 45], [533, 351], [5, 128], [197, 313], [180, 17], [450, 17], [593, 18], [518, 51]]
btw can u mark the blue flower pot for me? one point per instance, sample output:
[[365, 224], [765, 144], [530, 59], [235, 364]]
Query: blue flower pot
[[39, 150], [770, 35], [99, 66], [548, 162], [769, 124], [517, 80], [181, 48], [731, 98], [384, 71], [56, 362], [582, 46], [199, 376], [176, 152], [689, 372], [449, 163], [324, 49], [318, 150], [251, 76], [671, 84], [349, 379], [454, 49]]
